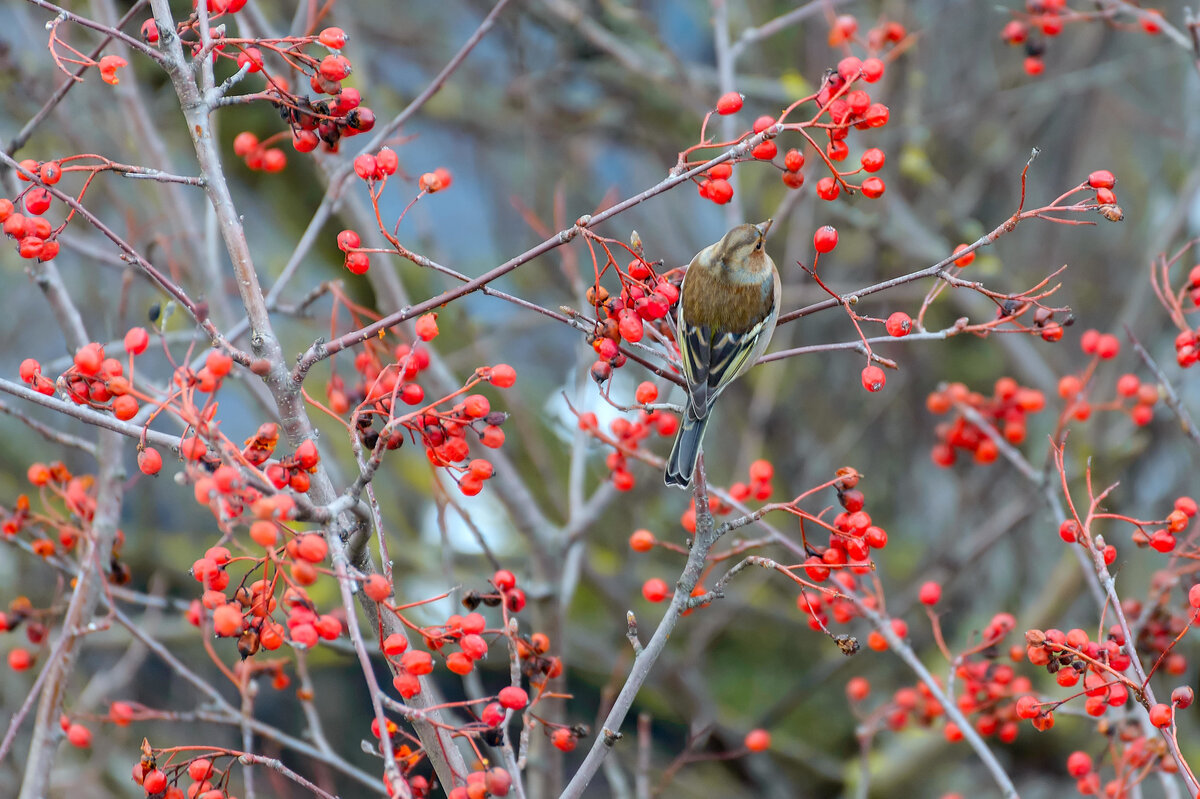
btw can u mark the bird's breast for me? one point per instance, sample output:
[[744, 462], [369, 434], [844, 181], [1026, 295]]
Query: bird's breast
[[724, 305]]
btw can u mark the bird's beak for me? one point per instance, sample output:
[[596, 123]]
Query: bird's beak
[[763, 227]]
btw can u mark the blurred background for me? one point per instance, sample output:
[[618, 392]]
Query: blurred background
[[564, 108]]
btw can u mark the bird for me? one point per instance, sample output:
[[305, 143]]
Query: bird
[[728, 306]]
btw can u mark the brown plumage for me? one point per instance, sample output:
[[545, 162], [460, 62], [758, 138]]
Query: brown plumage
[[727, 310]]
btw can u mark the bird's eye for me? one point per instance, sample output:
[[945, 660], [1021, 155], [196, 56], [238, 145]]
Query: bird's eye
[[758, 246]]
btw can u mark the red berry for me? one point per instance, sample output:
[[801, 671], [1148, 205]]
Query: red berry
[[877, 115], [31, 247], [873, 378], [357, 262], [503, 376], [655, 590], [719, 191], [849, 67], [758, 740], [30, 369], [762, 123], [825, 239], [872, 160], [930, 593], [1028, 707], [154, 781], [793, 180], [218, 363], [828, 188], [387, 159], [643, 541], [873, 187], [136, 340], [1079, 764], [333, 38], [88, 359], [761, 471], [50, 173], [764, 151], [504, 580], [79, 736], [1161, 715], [563, 739], [334, 67], [366, 167], [476, 406], [416, 662], [394, 645], [899, 324], [723, 171], [252, 58], [1102, 179], [377, 588], [793, 160], [1069, 531], [1015, 32], [513, 698], [730, 103], [858, 689], [427, 327], [244, 143]]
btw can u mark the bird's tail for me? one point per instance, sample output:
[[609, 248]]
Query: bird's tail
[[682, 462]]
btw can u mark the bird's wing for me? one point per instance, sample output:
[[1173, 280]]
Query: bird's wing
[[695, 351], [729, 357], [710, 363]]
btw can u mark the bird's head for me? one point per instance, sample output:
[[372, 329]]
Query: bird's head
[[744, 245]]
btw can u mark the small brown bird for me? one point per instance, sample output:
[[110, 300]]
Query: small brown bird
[[727, 311]]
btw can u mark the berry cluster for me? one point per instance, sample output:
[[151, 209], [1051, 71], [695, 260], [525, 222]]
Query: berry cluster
[[852, 536], [988, 693], [627, 435], [68, 503], [845, 107], [375, 170], [1043, 20], [383, 387], [22, 613], [645, 300], [257, 155], [1187, 342], [1007, 411], [207, 781], [323, 122], [1134, 398], [312, 122], [36, 238], [1160, 625], [482, 783]]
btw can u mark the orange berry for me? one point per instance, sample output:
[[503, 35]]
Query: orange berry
[[642, 541], [758, 740]]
